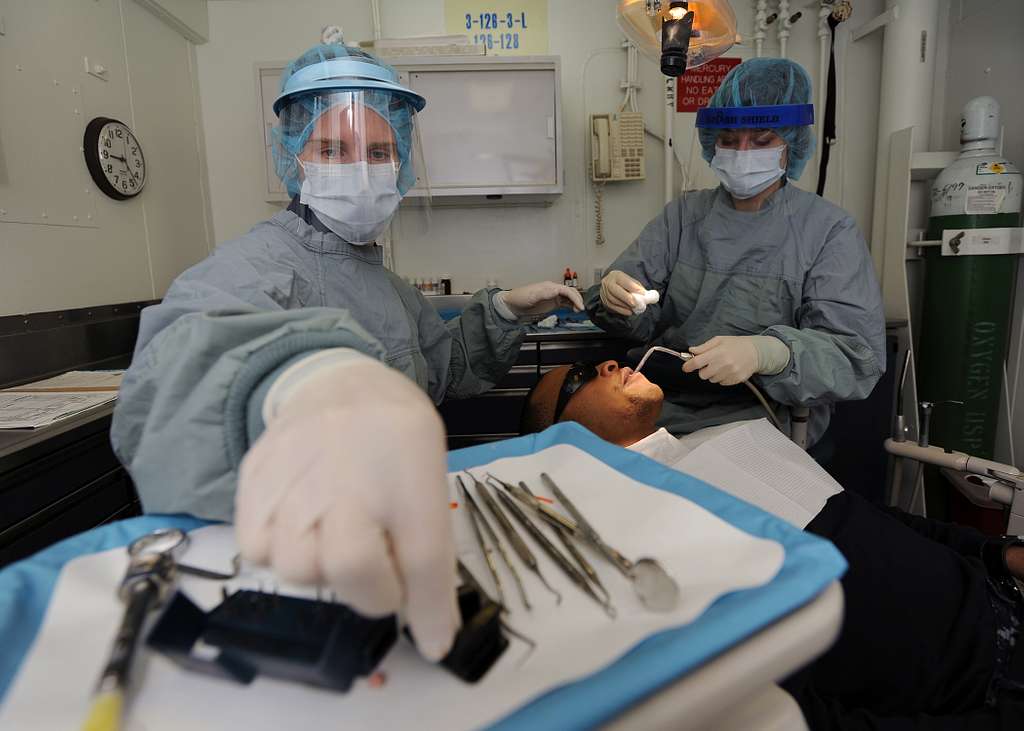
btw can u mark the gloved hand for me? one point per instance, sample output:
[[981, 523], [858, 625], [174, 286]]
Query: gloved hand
[[347, 488], [617, 290], [539, 298], [732, 359]]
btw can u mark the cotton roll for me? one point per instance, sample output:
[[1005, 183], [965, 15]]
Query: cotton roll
[[640, 301]]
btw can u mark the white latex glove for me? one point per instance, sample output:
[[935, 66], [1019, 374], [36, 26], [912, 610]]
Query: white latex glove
[[732, 359], [539, 298], [617, 290], [347, 488]]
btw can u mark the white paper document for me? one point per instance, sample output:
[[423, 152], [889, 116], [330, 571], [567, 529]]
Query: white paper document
[[20, 410], [707, 557], [75, 381]]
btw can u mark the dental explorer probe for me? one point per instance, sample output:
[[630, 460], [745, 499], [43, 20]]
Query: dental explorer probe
[[497, 543], [565, 536], [656, 589], [488, 555], [552, 517], [518, 544], [549, 548]]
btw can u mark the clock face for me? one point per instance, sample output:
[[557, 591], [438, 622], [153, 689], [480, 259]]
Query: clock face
[[114, 158]]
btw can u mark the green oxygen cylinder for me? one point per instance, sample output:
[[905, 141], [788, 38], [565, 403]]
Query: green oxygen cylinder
[[968, 297]]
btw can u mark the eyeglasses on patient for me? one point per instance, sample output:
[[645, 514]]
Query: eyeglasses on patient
[[579, 375]]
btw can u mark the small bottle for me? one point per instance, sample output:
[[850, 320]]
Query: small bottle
[[446, 284], [567, 277]]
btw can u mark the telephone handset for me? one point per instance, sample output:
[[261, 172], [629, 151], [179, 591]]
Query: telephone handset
[[617, 146], [602, 138]]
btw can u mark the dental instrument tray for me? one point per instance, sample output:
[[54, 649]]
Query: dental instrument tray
[[309, 641]]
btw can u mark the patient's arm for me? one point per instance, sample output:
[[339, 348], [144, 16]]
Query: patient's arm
[[966, 541], [826, 712]]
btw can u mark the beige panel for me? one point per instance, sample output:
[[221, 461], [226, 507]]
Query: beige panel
[[45, 266], [165, 122], [186, 17], [104, 259]]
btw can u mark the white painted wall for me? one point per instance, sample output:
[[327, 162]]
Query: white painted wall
[[986, 57], [90, 249], [512, 245]]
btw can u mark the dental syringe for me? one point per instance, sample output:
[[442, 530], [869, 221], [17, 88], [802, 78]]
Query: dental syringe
[[684, 356], [681, 355]]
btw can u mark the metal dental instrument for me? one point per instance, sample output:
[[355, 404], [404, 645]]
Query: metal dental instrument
[[488, 556], [518, 544], [684, 356], [497, 542], [553, 517], [150, 575], [581, 561], [565, 536], [656, 589], [549, 548]]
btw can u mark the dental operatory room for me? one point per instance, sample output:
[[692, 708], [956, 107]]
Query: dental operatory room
[[522, 365]]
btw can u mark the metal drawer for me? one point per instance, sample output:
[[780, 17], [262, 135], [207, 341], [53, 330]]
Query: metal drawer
[[588, 351], [110, 497], [495, 412]]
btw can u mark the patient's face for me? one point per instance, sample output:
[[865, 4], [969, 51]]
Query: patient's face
[[614, 404]]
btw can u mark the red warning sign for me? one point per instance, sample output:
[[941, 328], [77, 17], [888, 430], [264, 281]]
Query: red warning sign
[[695, 87]]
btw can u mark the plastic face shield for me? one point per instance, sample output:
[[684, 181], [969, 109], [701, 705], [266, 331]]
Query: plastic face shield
[[344, 129]]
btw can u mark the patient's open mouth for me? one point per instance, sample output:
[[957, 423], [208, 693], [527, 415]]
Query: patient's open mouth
[[631, 376]]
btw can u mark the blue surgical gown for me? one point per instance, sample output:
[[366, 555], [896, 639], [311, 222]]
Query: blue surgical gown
[[797, 270], [207, 353]]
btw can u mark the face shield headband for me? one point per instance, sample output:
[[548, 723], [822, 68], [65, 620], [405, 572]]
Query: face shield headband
[[761, 117]]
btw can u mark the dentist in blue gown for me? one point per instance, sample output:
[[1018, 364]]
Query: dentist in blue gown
[[758, 279], [288, 382]]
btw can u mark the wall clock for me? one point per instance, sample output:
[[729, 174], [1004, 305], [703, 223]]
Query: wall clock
[[114, 158]]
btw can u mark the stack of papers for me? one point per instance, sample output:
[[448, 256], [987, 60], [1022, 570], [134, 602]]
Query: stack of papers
[[39, 404]]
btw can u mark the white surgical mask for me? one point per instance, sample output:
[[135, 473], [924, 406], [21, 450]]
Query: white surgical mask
[[745, 173], [355, 200]]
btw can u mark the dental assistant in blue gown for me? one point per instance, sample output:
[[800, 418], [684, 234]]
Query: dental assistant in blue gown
[[757, 278], [288, 382]]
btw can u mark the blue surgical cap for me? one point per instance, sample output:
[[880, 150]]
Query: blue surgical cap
[[297, 110], [763, 82]]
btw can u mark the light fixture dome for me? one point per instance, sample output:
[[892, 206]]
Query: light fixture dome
[[714, 27]]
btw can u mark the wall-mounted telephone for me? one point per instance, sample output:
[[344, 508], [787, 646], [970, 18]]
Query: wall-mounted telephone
[[616, 153], [617, 147]]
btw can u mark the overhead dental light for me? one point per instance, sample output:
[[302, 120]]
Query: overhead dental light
[[678, 35]]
